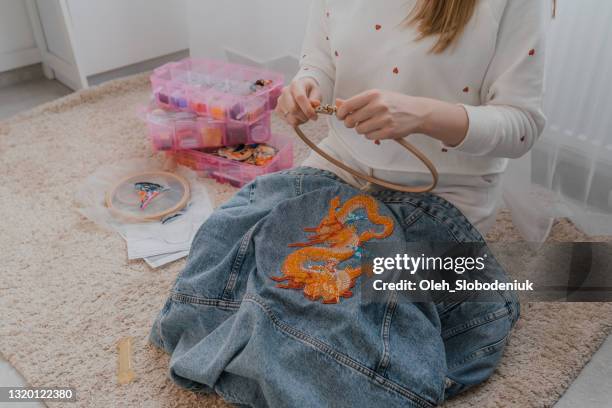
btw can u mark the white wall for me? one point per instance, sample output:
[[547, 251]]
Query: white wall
[[268, 32], [114, 33], [17, 44]]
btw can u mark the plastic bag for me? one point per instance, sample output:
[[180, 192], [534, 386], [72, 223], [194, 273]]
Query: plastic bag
[[160, 241]]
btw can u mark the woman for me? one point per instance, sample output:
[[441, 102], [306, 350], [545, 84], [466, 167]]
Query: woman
[[462, 78], [271, 309]]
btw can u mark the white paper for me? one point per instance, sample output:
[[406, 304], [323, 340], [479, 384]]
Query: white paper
[[159, 242], [161, 260]]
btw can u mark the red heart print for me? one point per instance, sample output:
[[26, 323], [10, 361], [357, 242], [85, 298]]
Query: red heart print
[[532, 52], [466, 89], [378, 27], [377, 142], [396, 70]]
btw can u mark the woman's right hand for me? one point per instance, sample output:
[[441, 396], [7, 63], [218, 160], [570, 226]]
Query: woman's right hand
[[295, 104]]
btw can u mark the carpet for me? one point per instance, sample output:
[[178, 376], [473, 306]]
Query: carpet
[[68, 293]]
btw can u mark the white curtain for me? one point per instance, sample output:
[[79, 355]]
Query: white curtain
[[569, 171]]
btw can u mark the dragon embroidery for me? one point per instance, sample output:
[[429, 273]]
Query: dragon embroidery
[[314, 267]]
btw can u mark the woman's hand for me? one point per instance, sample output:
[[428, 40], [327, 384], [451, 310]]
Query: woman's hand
[[378, 114], [383, 114], [296, 102]]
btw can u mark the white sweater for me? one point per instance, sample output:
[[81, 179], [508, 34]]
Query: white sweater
[[495, 71]]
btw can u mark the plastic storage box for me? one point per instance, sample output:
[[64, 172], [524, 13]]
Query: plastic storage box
[[175, 130], [217, 89], [234, 172]]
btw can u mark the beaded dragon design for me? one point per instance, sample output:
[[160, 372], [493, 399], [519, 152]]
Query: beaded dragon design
[[314, 267]]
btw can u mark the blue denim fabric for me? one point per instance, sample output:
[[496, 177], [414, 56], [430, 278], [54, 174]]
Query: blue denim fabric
[[231, 330]]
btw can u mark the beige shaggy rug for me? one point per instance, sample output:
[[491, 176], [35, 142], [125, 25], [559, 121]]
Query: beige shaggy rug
[[67, 292]]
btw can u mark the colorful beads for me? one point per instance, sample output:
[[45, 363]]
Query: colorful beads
[[199, 107], [212, 135], [163, 98], [217, 112]]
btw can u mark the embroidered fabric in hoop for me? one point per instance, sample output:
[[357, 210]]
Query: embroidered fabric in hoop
[[331, 110], [147, 196]]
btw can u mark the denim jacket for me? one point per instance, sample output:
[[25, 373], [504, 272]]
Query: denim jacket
[[267, 312]]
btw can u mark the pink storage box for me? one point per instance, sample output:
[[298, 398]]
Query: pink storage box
[[172, 130], [217, 89], [233, 172]]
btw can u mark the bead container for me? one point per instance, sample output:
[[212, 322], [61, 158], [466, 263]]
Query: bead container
[[220, 90], [201, 103], [234, 172], [175, 130]]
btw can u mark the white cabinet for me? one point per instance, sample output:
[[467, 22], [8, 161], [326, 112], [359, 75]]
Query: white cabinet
[[83, 38], [17, 43]]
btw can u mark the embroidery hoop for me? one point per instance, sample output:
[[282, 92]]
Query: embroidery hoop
[[331, 110], [129, 216]]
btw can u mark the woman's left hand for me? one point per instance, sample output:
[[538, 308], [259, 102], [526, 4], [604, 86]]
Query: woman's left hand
[[378, 114]]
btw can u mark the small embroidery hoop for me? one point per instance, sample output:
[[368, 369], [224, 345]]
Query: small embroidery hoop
[[331, 110], [108, 200]]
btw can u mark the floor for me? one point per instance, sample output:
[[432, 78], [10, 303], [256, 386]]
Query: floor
[[23, 96], [591, 388]]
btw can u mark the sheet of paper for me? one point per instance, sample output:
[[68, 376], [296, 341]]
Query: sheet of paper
[[158, 242], [171, 235], [161, 260]]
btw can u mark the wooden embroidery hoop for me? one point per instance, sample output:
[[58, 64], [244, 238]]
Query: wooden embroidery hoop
[[331, 110], [148, 217]]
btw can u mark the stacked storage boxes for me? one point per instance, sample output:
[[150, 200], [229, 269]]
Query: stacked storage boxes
[[211, 115]]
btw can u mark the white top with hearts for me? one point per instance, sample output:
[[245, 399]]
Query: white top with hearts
[[495, 71]]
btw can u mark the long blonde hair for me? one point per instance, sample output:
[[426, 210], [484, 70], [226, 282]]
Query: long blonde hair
[[443, 18]]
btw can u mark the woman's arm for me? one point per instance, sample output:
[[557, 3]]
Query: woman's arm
[[508, 122], [381, 114], [316, 61], [314, 81], [510, 119]]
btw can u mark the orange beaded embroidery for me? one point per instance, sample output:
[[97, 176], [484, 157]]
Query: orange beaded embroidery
[[315, 268]]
